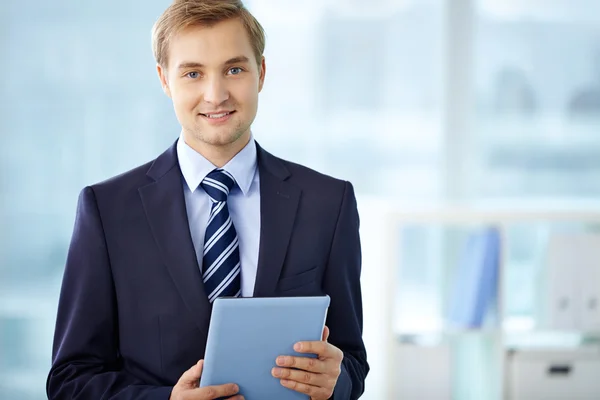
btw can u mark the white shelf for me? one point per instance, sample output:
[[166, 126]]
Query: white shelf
[[489, 345]]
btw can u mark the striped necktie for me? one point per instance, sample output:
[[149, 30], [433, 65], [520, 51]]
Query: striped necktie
[[221, 260]]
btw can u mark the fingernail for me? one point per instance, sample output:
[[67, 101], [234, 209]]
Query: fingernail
[[298, 346], [280, 360], [276, 372]]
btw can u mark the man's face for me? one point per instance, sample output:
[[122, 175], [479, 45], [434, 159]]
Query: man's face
[[213, 79]]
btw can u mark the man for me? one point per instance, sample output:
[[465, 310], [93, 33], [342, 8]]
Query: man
[[214, 215]]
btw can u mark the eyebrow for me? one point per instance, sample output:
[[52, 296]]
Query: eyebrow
[[234, 60]]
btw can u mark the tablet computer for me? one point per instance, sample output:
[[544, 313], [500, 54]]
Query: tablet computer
[[246, 335]]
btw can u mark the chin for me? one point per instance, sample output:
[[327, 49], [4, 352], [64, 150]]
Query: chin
[[219, 138]]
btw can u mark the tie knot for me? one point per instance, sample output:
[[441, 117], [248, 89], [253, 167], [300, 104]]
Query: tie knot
[[218, 184]]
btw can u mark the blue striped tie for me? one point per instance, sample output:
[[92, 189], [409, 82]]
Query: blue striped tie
[[221, 260]]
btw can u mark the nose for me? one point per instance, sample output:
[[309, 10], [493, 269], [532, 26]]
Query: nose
[[216, 92]]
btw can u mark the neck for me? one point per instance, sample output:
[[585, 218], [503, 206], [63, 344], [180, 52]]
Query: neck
[[218, 155]]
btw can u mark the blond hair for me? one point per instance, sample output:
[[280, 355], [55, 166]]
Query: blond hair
[[185, 13]]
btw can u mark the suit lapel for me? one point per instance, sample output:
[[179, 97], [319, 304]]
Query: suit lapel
[[278, 206], [165, 209]]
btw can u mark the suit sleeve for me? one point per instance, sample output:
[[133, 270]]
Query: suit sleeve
[[85, 355], [342, 283]]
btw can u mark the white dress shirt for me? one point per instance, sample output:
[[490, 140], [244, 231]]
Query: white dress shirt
[[243, 203]]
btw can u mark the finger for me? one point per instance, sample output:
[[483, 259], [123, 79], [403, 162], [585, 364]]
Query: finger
[[312, 391], [215, 392], [325, 334], [310, 378], [303, 363], [320, 348], [192, 375]]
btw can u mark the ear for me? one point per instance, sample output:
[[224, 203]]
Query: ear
[[162, 75], [263, 71]]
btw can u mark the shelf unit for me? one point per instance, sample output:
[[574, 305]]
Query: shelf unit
[[501, 338]]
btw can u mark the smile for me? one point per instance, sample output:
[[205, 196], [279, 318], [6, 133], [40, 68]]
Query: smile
[[216, 116], [220, 117]]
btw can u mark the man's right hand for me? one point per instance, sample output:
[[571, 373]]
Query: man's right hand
[[187, 387]]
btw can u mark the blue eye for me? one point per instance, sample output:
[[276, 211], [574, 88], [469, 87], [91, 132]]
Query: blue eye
[[238, 69], [192, 75]]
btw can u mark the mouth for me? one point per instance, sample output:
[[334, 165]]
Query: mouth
[[218, 117]]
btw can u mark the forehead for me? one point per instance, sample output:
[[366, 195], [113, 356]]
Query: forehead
[[210, 45]]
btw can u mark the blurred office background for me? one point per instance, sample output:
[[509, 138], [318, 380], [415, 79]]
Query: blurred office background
[[470, 129]]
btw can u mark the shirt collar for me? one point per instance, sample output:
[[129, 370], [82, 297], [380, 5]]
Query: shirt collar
[[195, 167]]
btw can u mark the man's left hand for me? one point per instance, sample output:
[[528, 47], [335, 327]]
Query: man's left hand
[[313, 376]]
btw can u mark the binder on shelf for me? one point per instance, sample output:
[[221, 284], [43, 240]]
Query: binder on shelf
[[571, 294], [476, 283], [560, 298], [589, 283]]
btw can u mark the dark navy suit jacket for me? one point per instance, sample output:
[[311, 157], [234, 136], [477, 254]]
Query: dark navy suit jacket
[[133, 314]]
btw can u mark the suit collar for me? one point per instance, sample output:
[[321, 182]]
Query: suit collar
[[266, 163], [163, 163], [164, 204], [279, 201], [271, 164]]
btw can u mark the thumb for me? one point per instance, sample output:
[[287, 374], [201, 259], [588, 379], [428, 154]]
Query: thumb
[[325, 334], [191, 376]]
